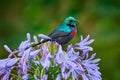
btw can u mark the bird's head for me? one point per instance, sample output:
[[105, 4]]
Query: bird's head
[[71, 21]]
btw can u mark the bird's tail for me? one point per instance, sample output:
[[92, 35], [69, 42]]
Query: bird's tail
[[43, 41]]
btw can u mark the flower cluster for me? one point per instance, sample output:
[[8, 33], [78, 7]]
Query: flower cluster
[[49, 61]]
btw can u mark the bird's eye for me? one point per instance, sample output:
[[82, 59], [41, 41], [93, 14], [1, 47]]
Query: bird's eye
[[71, 20]]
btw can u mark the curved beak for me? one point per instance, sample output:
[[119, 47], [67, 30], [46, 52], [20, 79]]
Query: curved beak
[[77, 21]]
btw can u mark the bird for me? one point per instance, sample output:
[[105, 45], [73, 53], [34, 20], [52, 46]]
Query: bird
[[63, 33]]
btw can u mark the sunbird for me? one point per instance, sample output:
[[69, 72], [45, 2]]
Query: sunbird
[[63, 33]]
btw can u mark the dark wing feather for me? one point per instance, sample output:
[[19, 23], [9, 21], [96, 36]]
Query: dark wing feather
[[57, 33]]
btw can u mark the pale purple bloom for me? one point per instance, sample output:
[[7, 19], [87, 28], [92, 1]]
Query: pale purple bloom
[[44, 77], [58, 77], [60, 56], [6, 65], [35, 39], [22, 65], [7, 48], [84, 77], [83, 44], [61, 59], [78, 66], [4, 70], [45, 60], [34, 53], [10, 51], [28, 37], [6, 76], [13, 53], [25, 77], [63, 73], [71, 54], [71, 64], [42, 36], [25, 44], [46, 56], [8, 62], [74, 74], [68, 61], [92, 68]]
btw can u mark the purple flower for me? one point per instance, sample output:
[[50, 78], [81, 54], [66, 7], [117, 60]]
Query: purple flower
[[34, 53], [58, 77], [60, 56], [76, 64], [84, 77], [39, 60], [4, 70], [22, 65], [71, 54], [42, 36], [91, 66], [7, 48], [6, 76], [35, 39], [10, 51], [45, 60], [69, 61], [8, 62], [83, 44], [74, 74], [44, 77], [25, 77], [25, 44], [6, 65]]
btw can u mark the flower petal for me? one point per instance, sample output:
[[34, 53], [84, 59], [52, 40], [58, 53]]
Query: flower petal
[[7, 48], [42, 36]]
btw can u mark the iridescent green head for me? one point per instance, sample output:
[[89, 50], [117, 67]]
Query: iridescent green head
[[70, 21]]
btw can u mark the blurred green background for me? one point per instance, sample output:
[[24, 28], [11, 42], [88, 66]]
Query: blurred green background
[[99, 18]]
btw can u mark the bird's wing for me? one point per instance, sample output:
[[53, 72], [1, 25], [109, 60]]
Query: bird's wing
[[57, 33]]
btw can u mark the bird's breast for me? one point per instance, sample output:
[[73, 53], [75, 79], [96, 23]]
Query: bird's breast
[[73, 33]]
